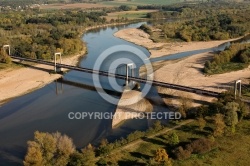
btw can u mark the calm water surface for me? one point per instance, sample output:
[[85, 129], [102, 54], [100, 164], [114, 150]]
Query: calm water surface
[[45, 110]]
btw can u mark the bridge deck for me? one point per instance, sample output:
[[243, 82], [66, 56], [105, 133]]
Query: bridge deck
[[141, 80]]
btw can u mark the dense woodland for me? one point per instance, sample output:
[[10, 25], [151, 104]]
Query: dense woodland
[[38, 35], [236, 57], [202, 22]]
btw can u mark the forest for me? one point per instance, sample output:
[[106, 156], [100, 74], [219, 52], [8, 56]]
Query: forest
[[38, 34], [202, 22], [236, 57]]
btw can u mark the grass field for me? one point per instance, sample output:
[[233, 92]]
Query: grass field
[[98, 4], [73, 6], [230, 150], [129, 14], [140, 2]]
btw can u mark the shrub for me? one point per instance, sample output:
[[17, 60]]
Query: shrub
[[174, 139], [201, 145], [181, 153], [146, 28], [202, 123]]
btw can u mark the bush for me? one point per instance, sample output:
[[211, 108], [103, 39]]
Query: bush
[[201, 146], [146, 28], [244, 58], [181, 154], [125, 8], [7, 60], [174, 139], [135, 135]]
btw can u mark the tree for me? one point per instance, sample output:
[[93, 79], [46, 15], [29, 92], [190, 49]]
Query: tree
[[76, 159], [244, 58], [219, 125], [104, 147], [161, 157], [181, 153], [185, 105], [157, 125], [86, 158], [231, 114], [173, 139], [243, 110], [49, 149], [125, 8], [202, 123]]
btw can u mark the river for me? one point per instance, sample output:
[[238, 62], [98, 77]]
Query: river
[[47, 109]]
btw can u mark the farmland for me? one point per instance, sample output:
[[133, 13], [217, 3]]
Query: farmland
[[73, 6], [140, 14], [140, 2]]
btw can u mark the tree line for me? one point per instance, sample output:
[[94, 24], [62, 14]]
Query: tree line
[[209, 22], [236, 57], [38, 34]]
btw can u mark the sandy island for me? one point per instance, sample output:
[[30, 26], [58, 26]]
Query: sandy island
[[187, 71]]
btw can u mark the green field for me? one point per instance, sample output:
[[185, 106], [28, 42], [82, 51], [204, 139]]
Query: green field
[[141, 2], [131, 15], [230, 150]]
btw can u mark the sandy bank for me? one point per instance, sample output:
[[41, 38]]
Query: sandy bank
[[130, 106], [141, 38], [16, 82], [187, 71]]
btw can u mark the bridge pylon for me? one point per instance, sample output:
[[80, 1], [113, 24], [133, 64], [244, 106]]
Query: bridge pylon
[[130, 68], [236, 87], [7, 46], [55, 61]]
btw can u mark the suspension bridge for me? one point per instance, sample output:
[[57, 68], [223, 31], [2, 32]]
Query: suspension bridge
[[123, 77]]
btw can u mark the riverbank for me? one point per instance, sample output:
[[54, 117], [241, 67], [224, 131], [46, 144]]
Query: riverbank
[[141, 38], [109, 25], [17, 82], [186, 71]]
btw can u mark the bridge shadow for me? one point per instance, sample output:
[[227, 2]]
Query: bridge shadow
[[218, 85], [32, 67], [88, 87], [178, 97]]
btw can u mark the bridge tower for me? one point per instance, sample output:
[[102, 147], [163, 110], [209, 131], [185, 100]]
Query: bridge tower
[[7, 46], [130, 68], [55, 59], [236, 87]]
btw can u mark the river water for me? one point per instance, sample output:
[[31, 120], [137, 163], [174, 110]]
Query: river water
[[47, 109]]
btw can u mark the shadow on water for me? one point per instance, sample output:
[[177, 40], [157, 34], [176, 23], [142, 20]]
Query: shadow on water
[[16, 156]]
